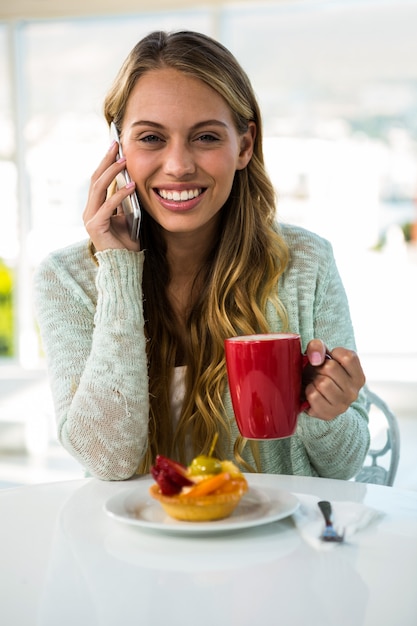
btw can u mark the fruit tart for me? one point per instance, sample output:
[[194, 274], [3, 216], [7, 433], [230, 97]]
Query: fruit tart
[[206, 490]]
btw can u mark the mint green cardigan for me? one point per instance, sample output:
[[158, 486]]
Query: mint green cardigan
[[92, 327]]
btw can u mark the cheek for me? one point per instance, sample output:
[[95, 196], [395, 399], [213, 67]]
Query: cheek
[[137, 167], [226, 174], [141, 171], [222, 166]]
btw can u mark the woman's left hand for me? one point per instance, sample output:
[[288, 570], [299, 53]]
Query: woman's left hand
[[333, 383]]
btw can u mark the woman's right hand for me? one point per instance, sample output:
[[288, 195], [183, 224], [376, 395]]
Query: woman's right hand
[[103, 216]]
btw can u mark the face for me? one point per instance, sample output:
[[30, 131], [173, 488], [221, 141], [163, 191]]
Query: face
[[182, 149]]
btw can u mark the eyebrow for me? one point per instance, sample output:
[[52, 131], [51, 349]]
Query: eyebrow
[[195, 127]]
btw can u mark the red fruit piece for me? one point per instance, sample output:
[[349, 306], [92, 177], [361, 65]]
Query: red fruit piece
[[167, 487], [176, 472]]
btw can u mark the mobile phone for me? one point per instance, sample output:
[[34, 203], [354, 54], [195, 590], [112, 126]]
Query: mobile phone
[[131, 205]]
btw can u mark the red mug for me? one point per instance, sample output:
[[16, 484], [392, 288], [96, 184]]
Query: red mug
[[265, 381]]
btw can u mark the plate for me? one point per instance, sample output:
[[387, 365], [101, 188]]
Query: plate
[[258, 506]]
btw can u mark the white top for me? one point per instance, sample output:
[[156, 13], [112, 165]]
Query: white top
[[65, 561], [177, 392]]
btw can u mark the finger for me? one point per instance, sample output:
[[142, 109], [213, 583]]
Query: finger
[[325, 404], [349, 361], [102, 179], [333, 375], [331, 392], [100, 219], [100, 183], [316, 352]]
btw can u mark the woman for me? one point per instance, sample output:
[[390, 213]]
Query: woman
[[134, 330]]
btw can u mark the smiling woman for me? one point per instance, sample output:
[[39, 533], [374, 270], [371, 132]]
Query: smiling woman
[[127, 323], [185, 158]]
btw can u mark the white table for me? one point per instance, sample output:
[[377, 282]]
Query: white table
[[64, 561]]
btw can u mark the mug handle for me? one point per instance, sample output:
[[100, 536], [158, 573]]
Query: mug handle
[[304, 404]]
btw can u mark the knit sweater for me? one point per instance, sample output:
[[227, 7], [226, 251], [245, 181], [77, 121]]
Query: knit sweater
[[92, 326]]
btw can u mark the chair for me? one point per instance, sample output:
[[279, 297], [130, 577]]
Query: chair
[[374, 472]]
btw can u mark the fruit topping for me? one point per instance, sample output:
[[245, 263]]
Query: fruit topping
[[167, 487], [207, 486], [205, 476], [170, 475], [202, 465]]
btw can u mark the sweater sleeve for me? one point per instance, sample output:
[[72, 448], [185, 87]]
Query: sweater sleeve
[[96, 359], [335, 448]]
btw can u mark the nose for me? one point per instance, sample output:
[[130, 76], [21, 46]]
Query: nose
[[179, 160]]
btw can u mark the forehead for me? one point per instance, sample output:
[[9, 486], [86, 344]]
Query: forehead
[[169, 92]]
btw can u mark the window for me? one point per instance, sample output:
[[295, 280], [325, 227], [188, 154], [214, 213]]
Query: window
[[337, 87], [61, 71], [8, 182]]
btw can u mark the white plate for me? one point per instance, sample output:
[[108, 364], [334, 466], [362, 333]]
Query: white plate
[[257, 507]]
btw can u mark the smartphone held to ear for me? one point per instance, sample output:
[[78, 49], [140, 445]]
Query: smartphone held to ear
[[130, 205]]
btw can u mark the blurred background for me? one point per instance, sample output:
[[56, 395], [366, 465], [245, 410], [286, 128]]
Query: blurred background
[[337, 84]]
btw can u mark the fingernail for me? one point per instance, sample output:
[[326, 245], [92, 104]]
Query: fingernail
[[121, 160], [130, 185], [112, 144], [315, 358]]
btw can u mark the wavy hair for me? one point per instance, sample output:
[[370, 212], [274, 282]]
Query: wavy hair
[[240, 275]]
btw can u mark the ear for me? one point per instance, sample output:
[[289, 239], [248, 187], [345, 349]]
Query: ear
[[247, 142]]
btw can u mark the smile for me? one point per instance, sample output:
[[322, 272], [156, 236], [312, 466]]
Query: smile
[[179, 196]]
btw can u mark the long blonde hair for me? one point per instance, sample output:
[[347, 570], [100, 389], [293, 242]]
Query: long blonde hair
[[240, 275]]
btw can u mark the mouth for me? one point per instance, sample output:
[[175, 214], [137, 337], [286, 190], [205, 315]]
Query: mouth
[[179, 196]]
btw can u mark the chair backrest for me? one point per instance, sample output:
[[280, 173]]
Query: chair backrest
[[373, 471]]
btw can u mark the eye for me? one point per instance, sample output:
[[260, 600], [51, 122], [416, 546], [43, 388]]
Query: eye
[[207, 138], [150, 139]]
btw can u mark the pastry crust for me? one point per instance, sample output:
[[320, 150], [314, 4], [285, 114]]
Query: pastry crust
[[203, 508]]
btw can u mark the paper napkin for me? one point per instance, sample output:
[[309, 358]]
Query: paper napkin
[[350, 517]]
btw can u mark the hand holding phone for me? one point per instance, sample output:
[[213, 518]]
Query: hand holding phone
[[131, 206]]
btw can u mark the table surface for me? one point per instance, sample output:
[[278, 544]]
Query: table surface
[[64, 560]]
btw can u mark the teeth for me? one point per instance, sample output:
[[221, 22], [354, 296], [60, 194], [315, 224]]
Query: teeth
[[179, 196]]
